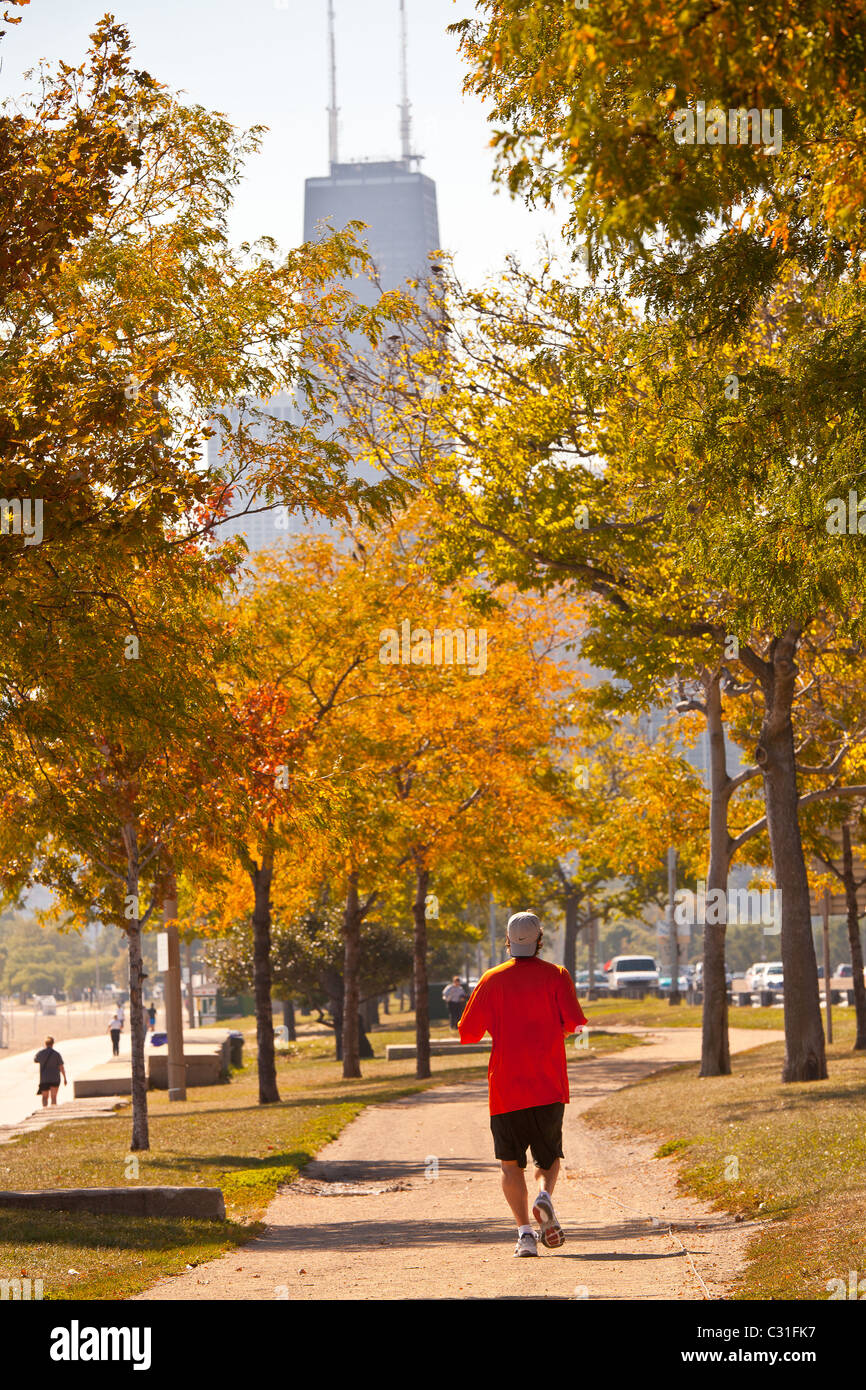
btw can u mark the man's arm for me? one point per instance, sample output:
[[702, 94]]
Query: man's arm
[[475, 1019], [571, 1013]]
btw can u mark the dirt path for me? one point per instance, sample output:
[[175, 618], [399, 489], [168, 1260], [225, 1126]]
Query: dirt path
[[406, 1204]]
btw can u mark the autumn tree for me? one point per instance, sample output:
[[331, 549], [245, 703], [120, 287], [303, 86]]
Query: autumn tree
[[566, 434], [591, 110], [474, 754], [102, 774]]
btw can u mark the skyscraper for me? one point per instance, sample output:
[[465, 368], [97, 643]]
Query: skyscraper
[[395, 200], [397, 204]]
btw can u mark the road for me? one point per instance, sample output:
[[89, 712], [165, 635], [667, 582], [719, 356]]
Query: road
[[19, 1076]]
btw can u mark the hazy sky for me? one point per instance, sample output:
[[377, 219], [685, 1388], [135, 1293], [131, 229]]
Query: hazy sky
[[265, 62]]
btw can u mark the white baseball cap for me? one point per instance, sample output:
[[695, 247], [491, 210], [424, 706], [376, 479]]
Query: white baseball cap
[[524, 930]]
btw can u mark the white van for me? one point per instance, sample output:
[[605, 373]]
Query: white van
[[632, 973]]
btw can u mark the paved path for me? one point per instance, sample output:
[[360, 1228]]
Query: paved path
[[19, 1075], [406, 1204]]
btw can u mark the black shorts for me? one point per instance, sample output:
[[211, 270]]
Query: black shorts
[[538, 1128]]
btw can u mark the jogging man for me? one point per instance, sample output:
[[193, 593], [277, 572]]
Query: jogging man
[[529, 1007]]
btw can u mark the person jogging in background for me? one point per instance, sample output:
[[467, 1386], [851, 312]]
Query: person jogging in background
[[529, 1007], [51, 1069], [114, 1028], [454, 996]]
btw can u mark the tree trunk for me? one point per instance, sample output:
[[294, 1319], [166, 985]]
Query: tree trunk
[[569, 953], [854, 939], [351, 979], [331, 984], [805, 1057], [289, 1019], [715, 1046], [365, 1047], [422, 998], [262, 877], [140, 1135]]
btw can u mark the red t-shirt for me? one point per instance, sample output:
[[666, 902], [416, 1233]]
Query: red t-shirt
[[529, 1007]]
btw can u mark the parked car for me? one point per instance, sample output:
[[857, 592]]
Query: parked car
[[756, 973], [844, 972], [773, 980], [600, 982], [698, 976], [632, 973], [665, 983], [48, 1004]]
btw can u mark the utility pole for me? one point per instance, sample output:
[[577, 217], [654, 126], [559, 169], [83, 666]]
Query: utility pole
[[674, 997], [827, 991], [173, 1003]]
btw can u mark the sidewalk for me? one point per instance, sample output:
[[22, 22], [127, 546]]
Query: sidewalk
[[19, 1074], [406, 1204]]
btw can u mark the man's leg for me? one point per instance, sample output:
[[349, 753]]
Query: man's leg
[[514, 1188], [547, 1151], [44, 1097], [546, 1179]]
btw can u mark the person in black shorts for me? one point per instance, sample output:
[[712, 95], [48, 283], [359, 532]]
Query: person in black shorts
[[51, 1069], [529, 1007]]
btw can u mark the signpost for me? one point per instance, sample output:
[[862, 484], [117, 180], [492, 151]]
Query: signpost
[[168, 961], [828, 993], [674, 996]]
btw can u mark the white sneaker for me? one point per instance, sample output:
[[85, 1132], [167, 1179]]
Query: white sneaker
[[551, 1233], [527, 1244]]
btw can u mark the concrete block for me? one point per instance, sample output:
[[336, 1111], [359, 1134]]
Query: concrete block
[[205, 1202], [397, 1052]]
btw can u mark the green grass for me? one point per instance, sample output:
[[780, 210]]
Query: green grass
[[658, 1013], [599, 1041], [791, 1155]]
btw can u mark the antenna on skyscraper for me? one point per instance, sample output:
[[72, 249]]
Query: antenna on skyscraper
[[405, 107], [333, 110]]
